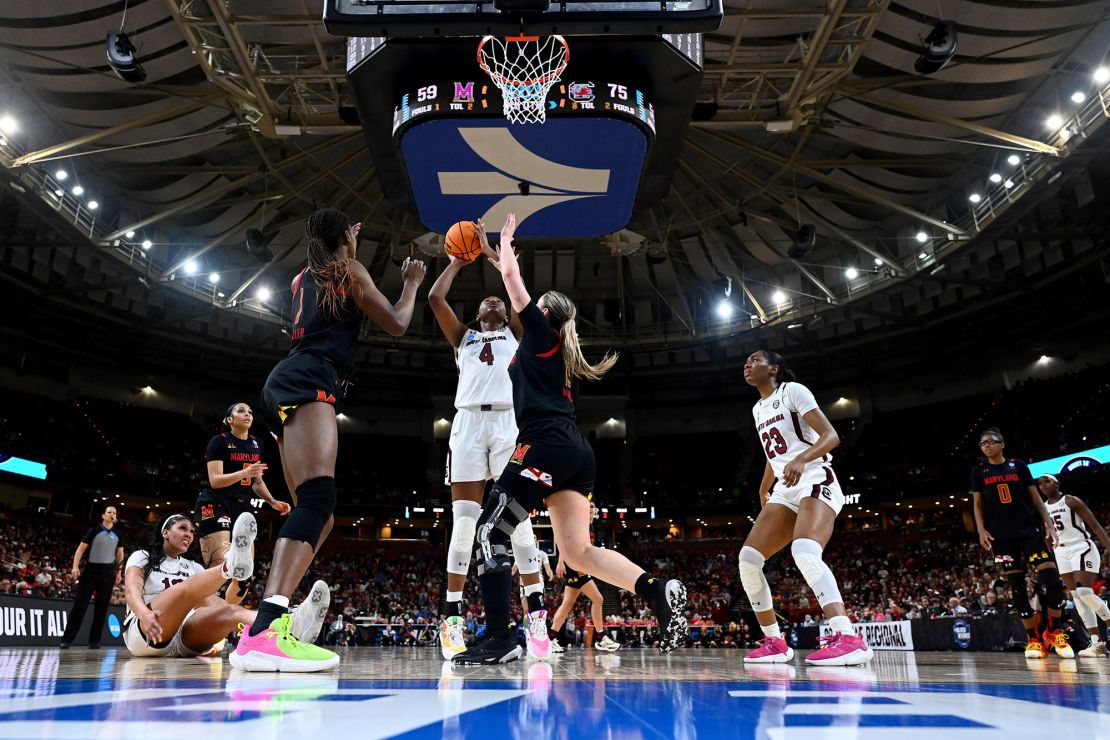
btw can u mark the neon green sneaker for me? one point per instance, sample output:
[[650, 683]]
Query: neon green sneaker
[[275, 649]]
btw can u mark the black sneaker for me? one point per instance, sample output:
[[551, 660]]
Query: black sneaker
[[64, 645], [491, 651], [671, 613]]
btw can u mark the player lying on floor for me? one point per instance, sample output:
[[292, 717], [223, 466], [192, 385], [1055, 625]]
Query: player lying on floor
[[172, 607]]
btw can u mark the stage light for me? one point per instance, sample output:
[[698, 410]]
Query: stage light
[[724, 309], [8, 125], [61, 175], [147, 244], [975, 197], [93, 205], [130, 234], [852, 273], [778, 297], [878, 262], [77, 190], [1102, 75], [922, 237], [191, 267], [214, 278], [1008, 184], [995, 177], [1054, 121], [263, 294], [1078, 96], [1013, 160]]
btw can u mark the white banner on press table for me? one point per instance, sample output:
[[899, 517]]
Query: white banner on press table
[[882, 635]]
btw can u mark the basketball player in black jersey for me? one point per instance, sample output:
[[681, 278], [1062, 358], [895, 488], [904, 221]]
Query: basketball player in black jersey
[[553, 464], [235, 468], [330, 298], [1012, 521]]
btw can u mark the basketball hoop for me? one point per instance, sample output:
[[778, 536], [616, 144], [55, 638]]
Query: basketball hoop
[[524, 68]]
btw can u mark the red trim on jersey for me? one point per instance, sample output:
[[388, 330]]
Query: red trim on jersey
[[798, 427], [552, 351]]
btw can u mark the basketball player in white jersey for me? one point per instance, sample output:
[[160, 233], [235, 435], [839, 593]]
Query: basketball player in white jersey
[[172, 607], [483, 437], [1078, 558], [800, 499]]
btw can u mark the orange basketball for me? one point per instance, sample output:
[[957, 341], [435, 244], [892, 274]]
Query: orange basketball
[[462, 241]]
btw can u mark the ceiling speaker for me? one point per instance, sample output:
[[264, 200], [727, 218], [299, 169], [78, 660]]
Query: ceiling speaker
[[121, 58], [940, 47]]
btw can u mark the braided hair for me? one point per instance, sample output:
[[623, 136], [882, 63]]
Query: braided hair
[[156, 549], [324, 230]]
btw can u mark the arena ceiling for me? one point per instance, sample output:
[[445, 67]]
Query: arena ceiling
[[245, 121]]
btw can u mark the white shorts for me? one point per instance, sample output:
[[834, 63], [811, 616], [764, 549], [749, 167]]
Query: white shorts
[[133, 639], [481, 444], [1078, 556], [817, 482]]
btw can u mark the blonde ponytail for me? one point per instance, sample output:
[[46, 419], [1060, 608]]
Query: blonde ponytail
[[562, 310]]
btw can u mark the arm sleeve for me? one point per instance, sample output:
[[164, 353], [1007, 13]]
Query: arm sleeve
[[217, 450], [539, 338], [89, 536], [800, 399], [138, 559]]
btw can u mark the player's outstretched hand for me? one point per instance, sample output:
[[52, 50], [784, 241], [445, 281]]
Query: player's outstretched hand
[[985, 539], [280, 507], [413, 270], [792, 473], [508, 230]]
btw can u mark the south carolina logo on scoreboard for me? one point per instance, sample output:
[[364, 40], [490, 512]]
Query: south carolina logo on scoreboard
[[569, 177]]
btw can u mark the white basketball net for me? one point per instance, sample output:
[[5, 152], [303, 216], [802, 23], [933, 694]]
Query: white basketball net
[[524, 68]]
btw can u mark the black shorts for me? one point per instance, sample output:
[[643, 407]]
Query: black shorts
[[1017, 553], [574, 579], [216, 513], [299, 379], [555, 458]]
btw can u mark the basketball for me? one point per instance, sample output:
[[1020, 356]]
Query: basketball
[[462, 241]]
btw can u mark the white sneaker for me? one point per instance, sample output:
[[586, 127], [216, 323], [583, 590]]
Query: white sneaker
[[452, 636], [608, 645], [539, 644], [1097, 649], [308, 616], [556, 647], [239, 564]]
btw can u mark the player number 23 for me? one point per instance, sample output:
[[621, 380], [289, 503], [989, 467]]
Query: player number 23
[[773, 443]]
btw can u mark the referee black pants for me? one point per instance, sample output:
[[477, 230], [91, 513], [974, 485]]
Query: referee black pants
[[95, 578]]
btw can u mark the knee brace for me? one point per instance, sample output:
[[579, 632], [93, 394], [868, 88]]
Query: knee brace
[[1083, 606], [1020, 595], [752, 578], [807, 554], [466, 515], [315, 505], [1050, 583], [525, 552], [500, 517], [1094, 602]]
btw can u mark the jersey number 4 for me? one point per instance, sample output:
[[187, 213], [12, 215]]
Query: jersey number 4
[[486, 355], [772, 437]]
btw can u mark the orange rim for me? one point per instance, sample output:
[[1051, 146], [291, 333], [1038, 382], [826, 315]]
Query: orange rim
[[502, 81]]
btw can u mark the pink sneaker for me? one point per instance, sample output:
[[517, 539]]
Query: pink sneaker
[[840, 649], [539, 644], [770, 650], [275, 649]]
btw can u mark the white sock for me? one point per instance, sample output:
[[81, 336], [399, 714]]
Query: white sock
[[771, 630], [535, 588], [843, 625], [278, 600], [454, 596]]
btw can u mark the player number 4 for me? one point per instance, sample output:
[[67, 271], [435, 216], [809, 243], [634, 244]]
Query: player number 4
[[486, 355]]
